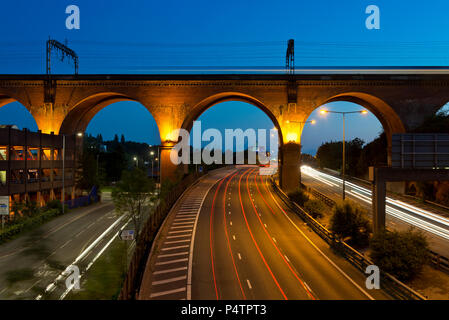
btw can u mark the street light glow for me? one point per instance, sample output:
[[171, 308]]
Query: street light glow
[[313, 122], [323, 111]]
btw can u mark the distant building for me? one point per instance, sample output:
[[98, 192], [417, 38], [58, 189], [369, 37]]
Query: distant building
[[31, 165]]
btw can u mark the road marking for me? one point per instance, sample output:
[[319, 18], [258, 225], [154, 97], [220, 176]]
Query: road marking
[[286, 258], [164, 293], [182, 227], [171, 261], [274, 240], [172, 254], [169, 280], [181, 236], [249, 284], [177, 241], [229, 212], [185, 224], [233, 237], [66, 243], [174, 248], [181, 231], [319, 250], [265, 225], [230, 223], [240, 257], [170, 270]]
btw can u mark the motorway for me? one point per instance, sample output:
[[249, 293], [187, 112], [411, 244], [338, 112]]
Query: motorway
[[244, 243], [400, 215], [32, 266]]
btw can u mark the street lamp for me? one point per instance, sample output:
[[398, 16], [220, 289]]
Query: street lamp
[[152, 163], [137, 161], [324, 112]]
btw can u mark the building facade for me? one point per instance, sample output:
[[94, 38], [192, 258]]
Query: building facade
[[31, 165]]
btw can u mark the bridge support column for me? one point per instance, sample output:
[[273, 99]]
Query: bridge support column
[[167, 167], [290, 173], [379, 192]]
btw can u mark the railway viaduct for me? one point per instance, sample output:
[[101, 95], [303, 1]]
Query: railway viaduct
[[67, 103]]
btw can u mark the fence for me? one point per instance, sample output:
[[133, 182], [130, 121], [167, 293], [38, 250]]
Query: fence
[[138, 261], [84, 201], [390, 284], [439, 261]]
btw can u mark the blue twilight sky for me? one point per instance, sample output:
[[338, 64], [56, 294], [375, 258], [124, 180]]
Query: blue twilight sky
[[166, 36]]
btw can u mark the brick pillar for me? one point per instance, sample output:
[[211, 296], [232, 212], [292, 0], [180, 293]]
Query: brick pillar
[[290, 167]]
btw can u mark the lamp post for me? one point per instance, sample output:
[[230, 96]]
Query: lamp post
[[324, 112], [152, 163], [137, 161]]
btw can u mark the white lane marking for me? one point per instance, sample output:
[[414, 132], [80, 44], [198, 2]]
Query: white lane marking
[[286, 258], [66, 243], [240, 256], [184, 223], [249, 284], [170, 270], [173, 248], [177, 241], [265, 225], [182, 227], [229, 212], [230, 223], [192, 245], [164, 293], [274, 240], [233, 237], [169, 280], [171, 261], [181, 231], [172, 254], [181, 236], [183, 220], [321, 252]]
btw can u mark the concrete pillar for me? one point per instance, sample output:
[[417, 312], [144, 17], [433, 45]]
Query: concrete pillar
[[290, 170]]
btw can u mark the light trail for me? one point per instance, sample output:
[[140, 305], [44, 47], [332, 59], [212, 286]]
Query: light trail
[[408, 213]]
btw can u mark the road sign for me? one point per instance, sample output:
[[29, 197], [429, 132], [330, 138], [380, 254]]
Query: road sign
[[127, 235], [4, 206], [420, 150]]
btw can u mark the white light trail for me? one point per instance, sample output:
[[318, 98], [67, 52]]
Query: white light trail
[[408, 213]]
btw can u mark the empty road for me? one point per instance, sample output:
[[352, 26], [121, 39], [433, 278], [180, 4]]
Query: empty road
[[242, 242]]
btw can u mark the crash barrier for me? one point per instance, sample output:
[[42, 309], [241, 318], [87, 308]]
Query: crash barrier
[[389, 284], [133, 279], [438, 261]]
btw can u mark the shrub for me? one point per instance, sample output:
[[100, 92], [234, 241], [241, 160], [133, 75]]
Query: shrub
[[54, 204], [315, 208], [299, 196], [349, 223], [401, 253]]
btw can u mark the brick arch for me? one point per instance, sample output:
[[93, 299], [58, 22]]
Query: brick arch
[[7, 99], [210, 101], [82, 112], [387, 116]]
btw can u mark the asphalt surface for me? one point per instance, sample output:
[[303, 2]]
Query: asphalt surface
[[31, 265], [249, 245], [400, 214]]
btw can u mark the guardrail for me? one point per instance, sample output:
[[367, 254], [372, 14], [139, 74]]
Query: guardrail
[[131, 285], [390, 284], [439, 261]]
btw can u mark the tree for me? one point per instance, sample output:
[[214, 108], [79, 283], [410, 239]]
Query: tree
[[348, 221], [299, 196], [132, 194], [401, 253], [122, 139]]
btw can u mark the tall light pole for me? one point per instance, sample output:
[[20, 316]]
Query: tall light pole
[[324, 112], [137, 161], [152, 163]]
